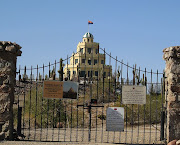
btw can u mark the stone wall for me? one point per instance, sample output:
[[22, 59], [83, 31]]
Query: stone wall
[[8, 54], [172, 90]]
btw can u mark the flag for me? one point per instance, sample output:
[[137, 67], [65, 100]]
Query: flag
[[90, 22]]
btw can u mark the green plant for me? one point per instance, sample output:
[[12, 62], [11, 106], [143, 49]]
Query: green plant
[[42, 111], [102, 116]]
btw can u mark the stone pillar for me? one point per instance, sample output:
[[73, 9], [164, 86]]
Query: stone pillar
[[8, 54], [172, 90]]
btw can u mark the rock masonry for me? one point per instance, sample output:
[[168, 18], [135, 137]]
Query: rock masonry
[[172, 91], [8, 54]]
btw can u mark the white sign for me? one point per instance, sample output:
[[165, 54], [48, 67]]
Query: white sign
[[134, 94], [115, 119]]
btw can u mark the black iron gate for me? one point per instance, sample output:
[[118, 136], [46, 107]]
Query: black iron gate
[[84, 119]]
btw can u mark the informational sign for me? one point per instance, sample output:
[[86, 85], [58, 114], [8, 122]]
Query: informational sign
[[70, 90], [60, 89], [53, 89], [134, 94], [115, 119]]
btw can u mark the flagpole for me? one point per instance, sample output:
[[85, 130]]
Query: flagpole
[[88, 27], [89, 22]]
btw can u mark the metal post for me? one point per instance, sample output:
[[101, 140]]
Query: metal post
[[0, 128], [89, 135], [19, 120], [89, 107], [162, 125], [11, 120]]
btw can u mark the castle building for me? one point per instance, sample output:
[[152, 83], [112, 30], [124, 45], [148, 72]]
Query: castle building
[[87, 61]]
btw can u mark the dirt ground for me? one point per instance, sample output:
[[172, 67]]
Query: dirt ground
[[98, 136], [48, 143]]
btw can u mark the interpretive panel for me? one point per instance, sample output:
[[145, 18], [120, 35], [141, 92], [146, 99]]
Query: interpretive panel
[[134, 94], [115, 119], [70, 90], [53, 89], [60, 89]]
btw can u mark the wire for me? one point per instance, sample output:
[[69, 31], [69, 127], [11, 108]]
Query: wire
[[126, 64], [105, 53]]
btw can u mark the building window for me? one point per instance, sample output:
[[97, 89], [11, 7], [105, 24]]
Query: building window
[[104, 74], [81, 50], [76, 61], [96, 73], [69, 74], [96, 51], [89, 62], [89, 73], [83, 60], [82, 73], [89, 50], [109, 74], [95, 61], [102, 61]]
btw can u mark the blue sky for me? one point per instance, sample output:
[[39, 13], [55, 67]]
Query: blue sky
[[133, 30]]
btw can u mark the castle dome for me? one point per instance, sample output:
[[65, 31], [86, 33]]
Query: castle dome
[[88, 35]]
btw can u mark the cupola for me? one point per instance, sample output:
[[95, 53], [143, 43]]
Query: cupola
[[88, 37]]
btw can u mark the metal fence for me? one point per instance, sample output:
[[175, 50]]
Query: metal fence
[[84, 119]]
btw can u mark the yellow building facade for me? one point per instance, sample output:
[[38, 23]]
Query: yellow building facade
[[87, 60]]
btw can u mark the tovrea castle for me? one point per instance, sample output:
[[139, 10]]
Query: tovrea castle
[[87, 60]]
